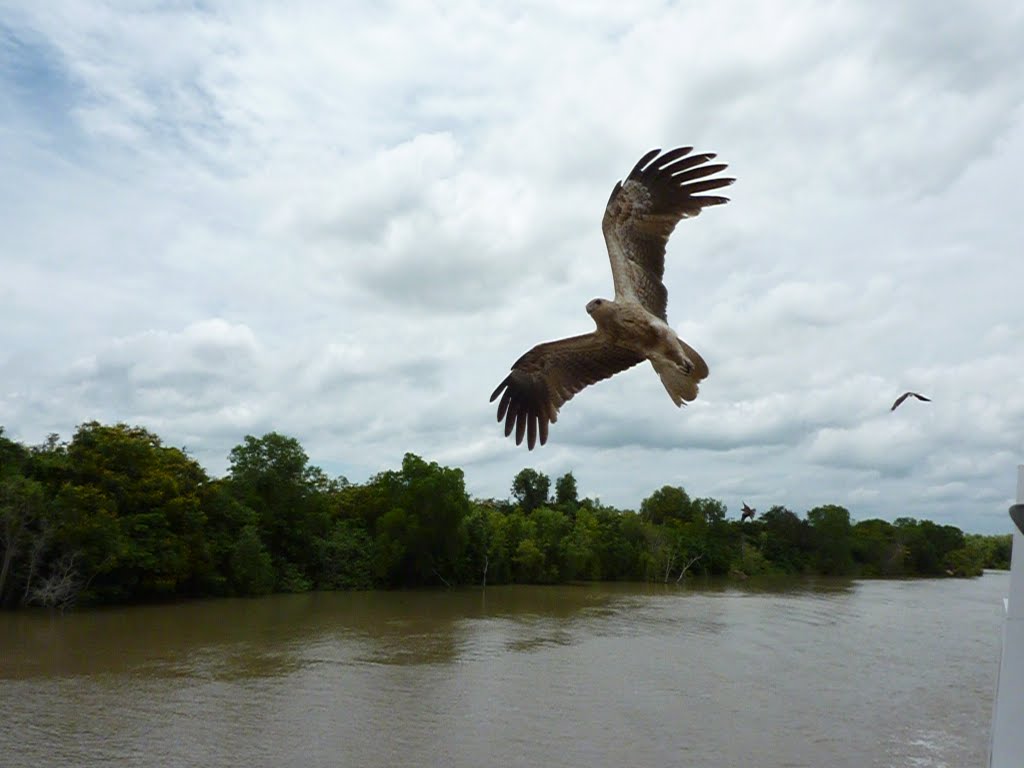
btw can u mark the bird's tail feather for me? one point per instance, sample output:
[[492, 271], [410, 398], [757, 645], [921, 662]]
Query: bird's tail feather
[[680, 385]]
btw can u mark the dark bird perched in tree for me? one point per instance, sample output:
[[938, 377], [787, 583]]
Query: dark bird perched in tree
[[748, 512], [905, 395], [638, 219]]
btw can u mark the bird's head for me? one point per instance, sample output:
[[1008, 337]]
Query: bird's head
[[596, 305]]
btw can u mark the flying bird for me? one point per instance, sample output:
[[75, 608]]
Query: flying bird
[[747, 512], [639, 217], [905, 395]]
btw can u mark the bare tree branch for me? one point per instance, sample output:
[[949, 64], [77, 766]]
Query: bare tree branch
[[61, 587], [692, 561]]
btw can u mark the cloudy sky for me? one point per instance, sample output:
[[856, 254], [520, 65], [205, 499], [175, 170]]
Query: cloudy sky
[[344, 222]]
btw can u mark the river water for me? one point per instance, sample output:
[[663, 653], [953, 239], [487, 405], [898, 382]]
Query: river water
[[867, 673]]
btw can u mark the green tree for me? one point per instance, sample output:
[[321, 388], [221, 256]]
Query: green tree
[[89, 531], [345, 557], [709, 511], [225, 518], [13, 456], [832, 535], [486, 555], [927, 545], [581, 557], [967, 561], [551, 527], [529, 562], [272, 476], [23, 535], [566, 495], [787, 542], [530, 489], [661, 552], [994, 550], [251, 571], [518, 526], [875, 548], [131, 509], [621, 544], [115, 515], [667, 503], [422, 536], [389, 548], [476, 556]]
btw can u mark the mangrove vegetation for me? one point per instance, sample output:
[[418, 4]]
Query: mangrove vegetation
[[114, 515]]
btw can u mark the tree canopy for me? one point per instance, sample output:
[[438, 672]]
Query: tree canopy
[[113, 515]]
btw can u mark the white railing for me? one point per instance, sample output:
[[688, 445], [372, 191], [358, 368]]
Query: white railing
[[1006, 748]]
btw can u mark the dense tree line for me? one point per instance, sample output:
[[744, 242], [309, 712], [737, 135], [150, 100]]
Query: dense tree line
[[114, 515]]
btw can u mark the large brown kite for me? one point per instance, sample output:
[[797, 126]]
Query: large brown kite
[[638, 219]]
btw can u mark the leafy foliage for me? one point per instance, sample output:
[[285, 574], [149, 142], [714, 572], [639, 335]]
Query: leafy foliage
[[114, 516], [530, 489], [566, 495]]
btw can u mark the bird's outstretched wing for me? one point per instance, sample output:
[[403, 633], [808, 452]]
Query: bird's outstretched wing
[[549, 375], [905, 395], [642, 212]]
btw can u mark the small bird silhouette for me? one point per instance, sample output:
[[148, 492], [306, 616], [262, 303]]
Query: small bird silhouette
[[747, 512], [905, 395]]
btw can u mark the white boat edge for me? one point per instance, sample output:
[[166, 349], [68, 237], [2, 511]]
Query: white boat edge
[[1006, 741]]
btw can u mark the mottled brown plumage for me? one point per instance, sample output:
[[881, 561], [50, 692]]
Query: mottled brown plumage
[[639, 217], [642, 213]]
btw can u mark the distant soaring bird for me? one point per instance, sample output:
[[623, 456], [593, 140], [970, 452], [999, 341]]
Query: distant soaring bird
[[638, 219], [747, 512], [905, 395]]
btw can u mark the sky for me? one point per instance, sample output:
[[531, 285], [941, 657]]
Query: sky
[[344, 222]]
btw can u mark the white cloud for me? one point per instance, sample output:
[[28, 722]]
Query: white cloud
[[344, 222]]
